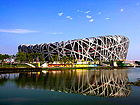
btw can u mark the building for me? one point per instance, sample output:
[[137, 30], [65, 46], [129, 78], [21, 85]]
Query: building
[[102, 47]]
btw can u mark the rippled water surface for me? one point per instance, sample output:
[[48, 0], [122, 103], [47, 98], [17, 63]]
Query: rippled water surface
[[75, 87]]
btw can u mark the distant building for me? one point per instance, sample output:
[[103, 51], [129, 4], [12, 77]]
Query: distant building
[[102, 47]]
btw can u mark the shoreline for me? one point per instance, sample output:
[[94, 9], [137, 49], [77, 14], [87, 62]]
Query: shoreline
[[38, 69], [100, 67]]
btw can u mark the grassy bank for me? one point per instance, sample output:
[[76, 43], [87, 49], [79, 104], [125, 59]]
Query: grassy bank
[[13, 65], [59, 68]]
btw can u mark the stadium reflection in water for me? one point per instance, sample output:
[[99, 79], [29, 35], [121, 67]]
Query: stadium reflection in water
[[86, 82]]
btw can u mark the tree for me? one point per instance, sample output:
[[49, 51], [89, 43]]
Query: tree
[[71, 58], [42, 58], [89, 62], [61, 60], [137, 62], [51, 60], [75, 61], [5, 56], [21, 56], [95, 60], [29, 57], [64, 58], [68, 60], [2, 57]]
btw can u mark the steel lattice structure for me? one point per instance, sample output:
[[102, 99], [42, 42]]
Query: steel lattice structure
[[102, 47]]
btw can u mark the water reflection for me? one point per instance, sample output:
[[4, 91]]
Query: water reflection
[[5, 77], [87, 82]]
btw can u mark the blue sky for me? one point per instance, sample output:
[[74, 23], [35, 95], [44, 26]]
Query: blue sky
[[44, 21]]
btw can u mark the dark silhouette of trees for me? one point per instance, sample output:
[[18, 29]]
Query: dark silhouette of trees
[[28, 57]]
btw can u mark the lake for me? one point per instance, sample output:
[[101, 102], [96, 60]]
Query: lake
[[71, 87]]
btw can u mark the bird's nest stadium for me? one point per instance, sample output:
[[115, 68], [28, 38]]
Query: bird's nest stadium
[[102, 47]]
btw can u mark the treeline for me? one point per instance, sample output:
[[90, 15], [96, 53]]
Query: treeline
[[5, 56], [64, 59], [23, 57], [137, 62], [30, 57]]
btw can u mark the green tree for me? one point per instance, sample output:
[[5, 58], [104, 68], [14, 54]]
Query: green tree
[[64, 58], [0, 56], [21, 56], [5, 56], [54, 58], [41, 58], [29, 57], [71, 58], [38, 56], [61, 60], [75, 61], [68, 60], [51, 60], [95, 60], [89, 62]]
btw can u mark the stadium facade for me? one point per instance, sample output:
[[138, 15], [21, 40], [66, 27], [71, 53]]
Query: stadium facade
[[102, 47]]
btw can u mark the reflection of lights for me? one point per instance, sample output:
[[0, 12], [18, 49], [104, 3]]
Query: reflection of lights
[[54, 72], [65, 91], [58, 71], [43, 71], [32, 88], [38, 73], [59, 90], [34, 72], [26, 87], [79, 71], [86, 82]]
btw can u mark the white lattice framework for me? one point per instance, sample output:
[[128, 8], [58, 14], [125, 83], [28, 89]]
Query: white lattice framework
[[102, 47]]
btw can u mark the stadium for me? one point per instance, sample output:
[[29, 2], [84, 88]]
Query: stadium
[[102, 48]]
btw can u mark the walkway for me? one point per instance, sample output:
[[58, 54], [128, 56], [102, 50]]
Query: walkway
[[29, 64]]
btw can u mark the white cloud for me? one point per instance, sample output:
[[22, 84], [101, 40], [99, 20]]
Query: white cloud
[[91, 20], [137, 3], [20, 31], [60, 14], [87, 12], [88, 16], [99, 13], [106, 18], [121, 10], [55, 33], [60, 32], [68, 16], [81, 11], [78, 10]]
